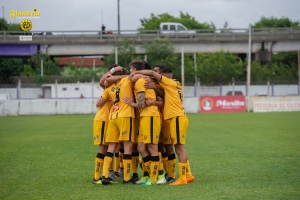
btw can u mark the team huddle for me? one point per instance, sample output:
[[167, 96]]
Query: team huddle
[[139, 122]]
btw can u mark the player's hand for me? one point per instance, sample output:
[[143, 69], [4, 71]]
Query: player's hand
[[133, 73], [149, 102], [128, 101], [149, 85], [108, 75], [118, 68]]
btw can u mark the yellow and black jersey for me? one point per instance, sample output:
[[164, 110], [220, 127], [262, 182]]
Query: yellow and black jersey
[[149, 94], [173, 99], [116, 92]]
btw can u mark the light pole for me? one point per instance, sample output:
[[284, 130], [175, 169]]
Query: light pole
[[249, 71], [118, 17], [3, 11]]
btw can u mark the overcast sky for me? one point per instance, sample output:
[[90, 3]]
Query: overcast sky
[[90, 14]]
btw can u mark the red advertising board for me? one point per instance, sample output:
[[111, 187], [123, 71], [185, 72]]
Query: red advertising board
[[211, 104]]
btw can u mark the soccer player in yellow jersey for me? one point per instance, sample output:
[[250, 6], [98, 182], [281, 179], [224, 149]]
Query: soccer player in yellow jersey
[[150, 122], [99, 131], [165, 145], [173, 110], [120, 126]]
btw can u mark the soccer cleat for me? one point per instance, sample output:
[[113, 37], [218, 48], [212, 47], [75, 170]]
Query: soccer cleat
[[134, 179], [142, 180], [98, 182], [112, 176], [161, 180], [121, 173], [190, 179], [171, 180], [130, 182], [178, 182], [106, 181], [148, 183], [166, 176]]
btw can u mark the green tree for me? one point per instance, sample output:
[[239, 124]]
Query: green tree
[[3, 24], [285, 60], [274, 22], [153, 22], [50, 66], [159, 51], [14, 27], [126, 53], [10, 67], [28, 71], [162, 51], [225, 28], [72, 70], [220, 67]]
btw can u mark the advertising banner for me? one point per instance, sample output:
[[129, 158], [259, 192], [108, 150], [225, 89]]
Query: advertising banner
[[211, 104], [276, 106], [18, 49]]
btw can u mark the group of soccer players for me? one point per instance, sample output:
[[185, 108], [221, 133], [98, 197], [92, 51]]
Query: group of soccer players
[[140, 121]]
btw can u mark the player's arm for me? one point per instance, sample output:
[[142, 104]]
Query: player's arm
[[139, 104], [100, 102], [159, 102], [134, 77], [110, 72], [151, 73], [150, 85], [112, 79]]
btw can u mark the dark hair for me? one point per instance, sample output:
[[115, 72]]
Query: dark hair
[[166, 71], [147, 65], [137, 64], [161, 67], [113, 66], [120, 73]]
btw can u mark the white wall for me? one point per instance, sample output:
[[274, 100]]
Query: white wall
[[89, 90], [88, 106]]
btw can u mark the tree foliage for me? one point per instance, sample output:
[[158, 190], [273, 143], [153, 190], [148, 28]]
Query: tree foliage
[[220, 67], [3, 24], [126, 53], [72, 70], [274, 22], [190, 22], [10, 67], [50, 65]]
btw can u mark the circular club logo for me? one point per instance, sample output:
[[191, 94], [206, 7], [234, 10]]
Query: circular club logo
[[26, 25], [207, 103]]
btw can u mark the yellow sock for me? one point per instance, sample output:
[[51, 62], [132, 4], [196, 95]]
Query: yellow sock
[[154, 168], [107, 160], [135, 162], [147, 166], [171, 167], [127, 166], [182, 171], [98, 166], [117, 162], [188, 170], [121, 155]]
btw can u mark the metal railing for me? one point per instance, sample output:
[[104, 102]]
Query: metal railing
[[80, 36]]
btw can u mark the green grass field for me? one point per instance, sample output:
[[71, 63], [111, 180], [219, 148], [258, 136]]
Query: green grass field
[[233, 156]]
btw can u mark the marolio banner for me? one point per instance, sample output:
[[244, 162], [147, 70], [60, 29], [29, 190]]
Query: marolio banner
[[212, 104]]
